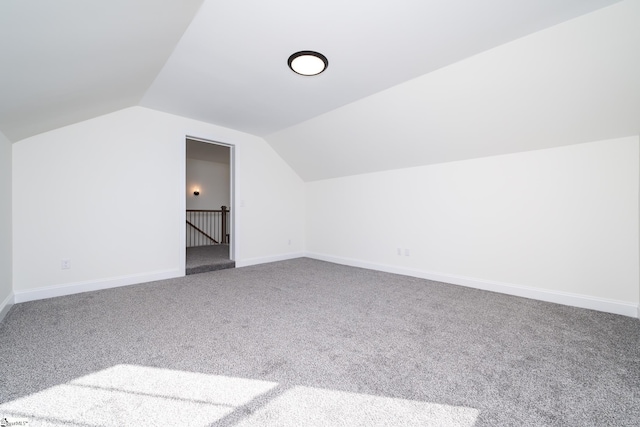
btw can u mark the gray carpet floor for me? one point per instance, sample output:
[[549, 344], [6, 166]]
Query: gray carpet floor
[[305, 342], [201, 259]]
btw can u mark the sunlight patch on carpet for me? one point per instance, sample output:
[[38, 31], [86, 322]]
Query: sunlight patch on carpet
[[137, 395], [146, 396]]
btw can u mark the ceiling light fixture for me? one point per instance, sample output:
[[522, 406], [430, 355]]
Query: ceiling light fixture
[[308, 63]]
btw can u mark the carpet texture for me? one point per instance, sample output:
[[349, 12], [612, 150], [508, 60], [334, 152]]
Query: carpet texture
[[201, 259], [305, 342]]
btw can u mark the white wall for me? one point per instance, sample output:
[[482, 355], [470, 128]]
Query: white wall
[[6, 295], [559, 224], [108, 194], [212, 179]]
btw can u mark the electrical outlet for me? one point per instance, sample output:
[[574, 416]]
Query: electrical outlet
[[65, 264], [289, 241], [399, 251], [406, 252]]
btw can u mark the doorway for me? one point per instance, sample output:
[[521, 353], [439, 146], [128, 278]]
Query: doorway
[[209, 214]]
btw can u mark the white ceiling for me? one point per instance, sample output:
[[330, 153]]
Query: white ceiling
[[230, 68], [573, 83], [425, 77], [65, 61]]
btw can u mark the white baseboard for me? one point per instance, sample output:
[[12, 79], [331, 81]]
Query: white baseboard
[[272, 258], [93, 285], [558, 297], [6, 305]]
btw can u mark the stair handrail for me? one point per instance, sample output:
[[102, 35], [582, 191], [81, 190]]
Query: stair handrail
[[224, 236], [202, 232]]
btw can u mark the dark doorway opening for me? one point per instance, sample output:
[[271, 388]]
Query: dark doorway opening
[[208, 212]]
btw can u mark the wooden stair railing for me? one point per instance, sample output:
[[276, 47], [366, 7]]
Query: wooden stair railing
[[202, 232], [207, 226]]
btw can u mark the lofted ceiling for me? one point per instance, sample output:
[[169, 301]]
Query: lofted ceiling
[[230, 67], [65, 61], [225, 62], [572, 83]]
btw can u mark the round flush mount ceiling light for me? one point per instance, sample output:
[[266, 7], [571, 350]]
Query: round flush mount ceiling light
[[308, 63]]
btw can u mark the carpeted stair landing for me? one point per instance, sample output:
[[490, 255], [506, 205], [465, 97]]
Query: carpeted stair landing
[[201, 259]]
